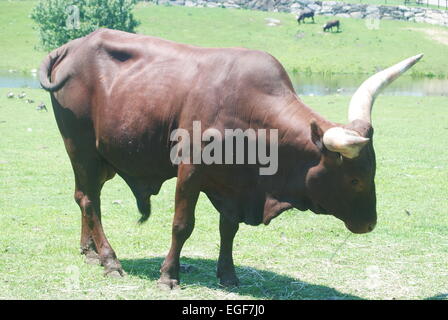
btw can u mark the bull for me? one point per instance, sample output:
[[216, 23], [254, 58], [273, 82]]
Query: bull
[[117, 97], [331, 24], [305, 14]]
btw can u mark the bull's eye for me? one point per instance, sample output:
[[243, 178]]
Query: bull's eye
[[354, 182]]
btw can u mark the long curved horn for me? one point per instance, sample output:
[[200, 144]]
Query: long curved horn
[[362, 100]]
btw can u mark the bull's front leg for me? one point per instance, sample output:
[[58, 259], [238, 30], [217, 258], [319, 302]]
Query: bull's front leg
[[187, 192], [226, 269]]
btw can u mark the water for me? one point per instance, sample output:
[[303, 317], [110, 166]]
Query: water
[[304, 84], [18, 80], [320, 85]]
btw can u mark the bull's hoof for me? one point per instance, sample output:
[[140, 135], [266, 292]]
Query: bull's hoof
[[92, 257], [168, 284], [114, 273], [113, 269], [230, 281]]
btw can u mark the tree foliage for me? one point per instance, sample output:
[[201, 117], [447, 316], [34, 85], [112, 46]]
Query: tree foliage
[[60, 21]]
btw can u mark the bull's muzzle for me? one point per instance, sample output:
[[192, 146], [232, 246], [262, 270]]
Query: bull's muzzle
[[360, 228]]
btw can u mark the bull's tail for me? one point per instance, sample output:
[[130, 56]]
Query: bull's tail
[[144, 206], [47, 65]]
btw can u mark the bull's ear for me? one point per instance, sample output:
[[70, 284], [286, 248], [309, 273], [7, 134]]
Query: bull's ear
[[317, 135]]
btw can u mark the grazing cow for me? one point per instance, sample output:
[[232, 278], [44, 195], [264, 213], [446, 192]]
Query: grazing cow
[[305, 14], [331, 24], [118, 98]]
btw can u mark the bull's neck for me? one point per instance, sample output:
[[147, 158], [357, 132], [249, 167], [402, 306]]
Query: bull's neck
[[293, 122], [296, 151]]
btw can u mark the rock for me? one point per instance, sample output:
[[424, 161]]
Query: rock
[[357, 15], [327, 8], [314, 7], [371, 9], [231, 5], [408, 14], [212, 5], [273, 21], [343, 15], [190, 4]]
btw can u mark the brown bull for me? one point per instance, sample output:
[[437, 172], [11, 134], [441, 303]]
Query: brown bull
[[117, 97]]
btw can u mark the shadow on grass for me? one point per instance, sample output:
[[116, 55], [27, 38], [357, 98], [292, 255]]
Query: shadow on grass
[[253, 282], [441, 296]]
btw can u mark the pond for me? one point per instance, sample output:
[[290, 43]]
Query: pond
[[304, 84], [321, 85]]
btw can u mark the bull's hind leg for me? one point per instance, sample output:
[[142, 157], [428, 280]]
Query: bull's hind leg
[[226, 269], [90, 177], [187, 192]]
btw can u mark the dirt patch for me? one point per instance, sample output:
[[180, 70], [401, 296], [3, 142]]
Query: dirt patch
[[436, 35]]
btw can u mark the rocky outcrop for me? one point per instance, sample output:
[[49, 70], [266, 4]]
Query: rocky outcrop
[[327, 8]]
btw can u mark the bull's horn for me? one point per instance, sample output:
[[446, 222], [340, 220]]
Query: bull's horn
[[362, 101], [347, 142]]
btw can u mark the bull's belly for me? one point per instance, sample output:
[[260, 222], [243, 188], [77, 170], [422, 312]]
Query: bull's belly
[[140, 163]]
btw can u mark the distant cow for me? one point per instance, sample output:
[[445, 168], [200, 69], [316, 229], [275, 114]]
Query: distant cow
[[305, 14], [330, 24]]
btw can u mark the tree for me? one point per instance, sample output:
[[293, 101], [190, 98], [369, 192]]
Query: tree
[[60, 21]]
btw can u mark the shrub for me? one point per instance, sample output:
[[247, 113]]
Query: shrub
[[60, 21]]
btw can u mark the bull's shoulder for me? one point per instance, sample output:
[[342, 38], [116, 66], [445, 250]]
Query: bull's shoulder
[[261, 70]]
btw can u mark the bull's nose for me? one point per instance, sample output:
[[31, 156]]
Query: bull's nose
[[361, 228], [371, 226]]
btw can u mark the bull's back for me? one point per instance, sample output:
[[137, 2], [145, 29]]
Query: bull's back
[[134, 90]]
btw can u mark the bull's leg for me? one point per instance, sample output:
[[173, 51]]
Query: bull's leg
[[226, 269], [187, 192], [88, 247], [94, 244], [312, 18]]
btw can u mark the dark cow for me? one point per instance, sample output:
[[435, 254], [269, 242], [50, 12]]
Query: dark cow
[[117, 97], [305, 14], [331, 24]]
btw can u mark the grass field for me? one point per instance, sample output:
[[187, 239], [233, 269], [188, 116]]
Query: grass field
[[356, 49], [298, 256]]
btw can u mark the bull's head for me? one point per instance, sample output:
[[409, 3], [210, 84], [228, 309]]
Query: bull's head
[[342, 184]]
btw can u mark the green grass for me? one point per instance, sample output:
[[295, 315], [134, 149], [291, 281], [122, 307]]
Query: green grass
[[303, 49], [18, 37], [298, 256]]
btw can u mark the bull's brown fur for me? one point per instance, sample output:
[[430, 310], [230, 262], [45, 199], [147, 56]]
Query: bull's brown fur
[[118, 96]]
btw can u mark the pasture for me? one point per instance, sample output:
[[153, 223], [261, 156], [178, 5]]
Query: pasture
[[300, 255], [357, 49]]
